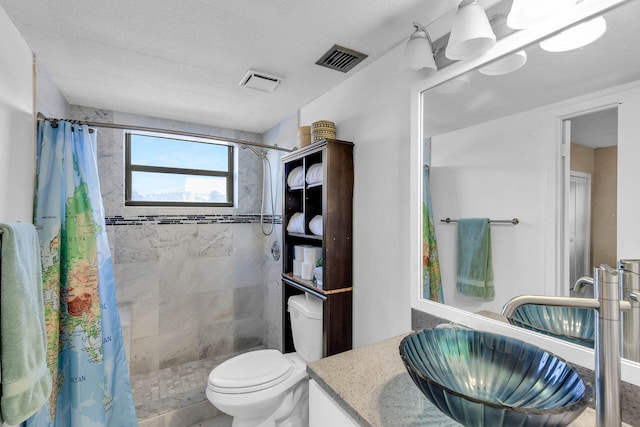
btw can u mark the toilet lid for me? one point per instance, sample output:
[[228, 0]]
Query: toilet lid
[[252, 371]]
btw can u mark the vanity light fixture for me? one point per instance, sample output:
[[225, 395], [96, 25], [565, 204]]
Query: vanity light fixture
[[525, 13], [454, 86], [418, 53], [577, 36], [471, 33], [505, 65]]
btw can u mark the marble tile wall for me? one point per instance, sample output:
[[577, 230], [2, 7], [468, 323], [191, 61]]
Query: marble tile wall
[[284, 134], [195, 290]]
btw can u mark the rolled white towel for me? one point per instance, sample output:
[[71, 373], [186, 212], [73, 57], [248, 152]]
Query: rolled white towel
[[315, 174], [296, 223], [316, 225], [296, 177]]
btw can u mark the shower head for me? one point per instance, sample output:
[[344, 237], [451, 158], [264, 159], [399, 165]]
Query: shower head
[[260, 155]]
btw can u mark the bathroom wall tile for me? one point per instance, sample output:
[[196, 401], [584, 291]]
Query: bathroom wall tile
[[84, 113], [136, 119], [248, 302], [215, 240], [247, 240], [179, 314], [247, 270], [145, 318], [137, 281], [274, 336], [125, 314], [273, 297], [145, 357], [112, 202], [216, 306], [137, 243], [178, 277], [272, 267], [110, 174], [195, 275], [249, 181], [111, 237], [177, 348], [249, 333], [216, 339], [217, 273], [177, 242], [110, 143], [191, 415], [273, 303]]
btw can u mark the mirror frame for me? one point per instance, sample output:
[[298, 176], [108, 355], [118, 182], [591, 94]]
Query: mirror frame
[[517, 41]]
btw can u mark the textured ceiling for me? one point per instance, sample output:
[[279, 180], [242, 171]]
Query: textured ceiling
[[183, 60]]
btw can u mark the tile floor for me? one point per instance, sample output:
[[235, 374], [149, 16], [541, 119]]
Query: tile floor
[[175, 397]]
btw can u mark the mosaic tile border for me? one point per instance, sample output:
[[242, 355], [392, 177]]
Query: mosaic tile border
[[189, 219]]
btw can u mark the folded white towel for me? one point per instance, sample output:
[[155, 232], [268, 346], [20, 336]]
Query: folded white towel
[[315, 174], [316, 225], [296, 223], [296, 177]]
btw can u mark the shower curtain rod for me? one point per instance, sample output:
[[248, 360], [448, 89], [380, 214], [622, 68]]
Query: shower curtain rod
[[42, 117]]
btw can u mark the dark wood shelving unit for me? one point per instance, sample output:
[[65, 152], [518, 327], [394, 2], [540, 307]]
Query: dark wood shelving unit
[[333, 199]]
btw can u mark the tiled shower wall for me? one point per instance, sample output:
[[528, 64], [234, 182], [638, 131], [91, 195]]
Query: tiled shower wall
[[285, 135], [195, 286]]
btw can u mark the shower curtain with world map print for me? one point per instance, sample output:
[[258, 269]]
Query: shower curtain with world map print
[[431, 280], [85, 351]]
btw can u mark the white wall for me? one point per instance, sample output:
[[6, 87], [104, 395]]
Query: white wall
[[17, 142], [496, 170], [371, 109], [628, 178]]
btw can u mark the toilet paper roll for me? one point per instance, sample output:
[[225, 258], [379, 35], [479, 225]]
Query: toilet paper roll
[[297, 267], [307, 271], [298, 252], [312, 254]]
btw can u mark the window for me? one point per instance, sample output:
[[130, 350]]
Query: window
[[162, 171]]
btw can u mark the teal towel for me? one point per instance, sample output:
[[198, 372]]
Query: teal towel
[[24, 376], [474, 265]]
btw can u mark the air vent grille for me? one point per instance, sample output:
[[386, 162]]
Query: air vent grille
[[260, 81], [341, 58]]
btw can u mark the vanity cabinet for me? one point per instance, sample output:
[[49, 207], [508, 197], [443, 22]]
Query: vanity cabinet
[[324, 411], [330, 202]]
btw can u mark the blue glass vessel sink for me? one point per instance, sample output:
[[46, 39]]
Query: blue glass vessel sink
[[576, 325], [484, 379]]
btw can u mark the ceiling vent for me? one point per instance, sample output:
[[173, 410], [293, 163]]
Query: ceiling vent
[[341, 58], [260, 81]]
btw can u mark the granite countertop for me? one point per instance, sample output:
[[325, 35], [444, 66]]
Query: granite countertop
[[372, 385]]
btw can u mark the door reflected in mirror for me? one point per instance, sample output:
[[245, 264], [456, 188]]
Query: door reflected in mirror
[[592, 199]]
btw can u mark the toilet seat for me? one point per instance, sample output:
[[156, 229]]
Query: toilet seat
[[250, 372]]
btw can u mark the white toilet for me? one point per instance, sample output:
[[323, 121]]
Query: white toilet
[[266, 388]]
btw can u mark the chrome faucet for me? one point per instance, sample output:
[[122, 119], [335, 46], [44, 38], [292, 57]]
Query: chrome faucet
[[629, 270], [582, 283], [607, 340]]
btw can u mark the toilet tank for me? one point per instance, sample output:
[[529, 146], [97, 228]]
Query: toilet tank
[[305, 312]]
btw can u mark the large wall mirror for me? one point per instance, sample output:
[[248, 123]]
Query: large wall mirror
[[555, 144]]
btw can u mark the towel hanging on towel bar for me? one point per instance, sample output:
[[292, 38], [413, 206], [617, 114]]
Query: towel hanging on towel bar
[[514, 221]]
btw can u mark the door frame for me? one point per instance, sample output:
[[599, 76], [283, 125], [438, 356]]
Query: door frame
[[587, 177]]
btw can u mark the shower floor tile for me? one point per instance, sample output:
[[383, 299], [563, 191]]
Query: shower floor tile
[[171, 389]]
